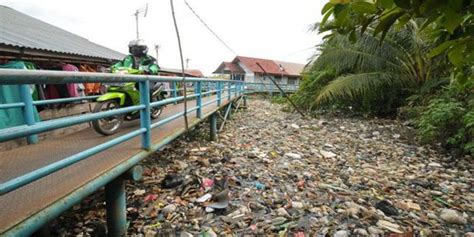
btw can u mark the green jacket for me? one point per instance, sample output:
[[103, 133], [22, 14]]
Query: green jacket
[[145, 63]]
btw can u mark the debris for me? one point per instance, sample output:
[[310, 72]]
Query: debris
[[207, 183], [259, 185], [282, 212], [171, 181], [221, 200], [348, 176], [341, 233], [295, 126], [389, 226], [139, 192], [434, 164], [410, 205], [150, 198], [204, 198], [387, 208], [297, 205], [452, 216], [168, 209], [293, 155], [327, 154]]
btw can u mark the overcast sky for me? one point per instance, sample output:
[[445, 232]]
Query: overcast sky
[[273, 29]]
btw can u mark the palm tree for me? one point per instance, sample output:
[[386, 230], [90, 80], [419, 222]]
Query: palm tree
[[368, 66]]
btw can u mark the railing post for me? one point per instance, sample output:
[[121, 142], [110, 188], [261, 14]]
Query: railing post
[[219, 93], [213, 123], [175, 91], [199, 99], [28, 111], [229, 90], [145, 120]]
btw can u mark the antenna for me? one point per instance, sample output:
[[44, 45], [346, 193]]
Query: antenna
[[157, 48], [143, 9]]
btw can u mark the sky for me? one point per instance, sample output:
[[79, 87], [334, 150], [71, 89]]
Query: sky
[[271, 29]]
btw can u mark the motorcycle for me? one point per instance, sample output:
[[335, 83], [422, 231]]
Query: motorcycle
[[120, 95]]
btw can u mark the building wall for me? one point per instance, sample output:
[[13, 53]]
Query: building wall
[[249, 75]]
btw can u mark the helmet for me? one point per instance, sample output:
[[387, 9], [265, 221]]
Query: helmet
[[137, 48]]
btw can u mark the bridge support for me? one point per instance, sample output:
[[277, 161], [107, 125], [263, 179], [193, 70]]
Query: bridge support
[[116, 202], [245, 101], [116, 206], [213, 123]]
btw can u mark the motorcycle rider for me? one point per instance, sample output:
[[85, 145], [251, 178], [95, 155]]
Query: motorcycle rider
[[138, 58]]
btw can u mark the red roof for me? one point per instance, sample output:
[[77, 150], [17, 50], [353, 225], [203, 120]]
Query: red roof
[[251, 64], [272, 67], [229, 67], [233, 67], [194, 72]]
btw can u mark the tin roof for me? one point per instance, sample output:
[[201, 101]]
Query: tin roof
[[20, 30]]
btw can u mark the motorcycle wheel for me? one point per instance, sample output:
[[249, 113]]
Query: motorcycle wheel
[[156, 112], [110, 125]]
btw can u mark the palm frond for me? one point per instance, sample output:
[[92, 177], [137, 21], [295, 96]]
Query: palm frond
[[353, 86], [353, 59]]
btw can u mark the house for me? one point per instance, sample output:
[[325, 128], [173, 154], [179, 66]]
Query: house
[[253, 70]]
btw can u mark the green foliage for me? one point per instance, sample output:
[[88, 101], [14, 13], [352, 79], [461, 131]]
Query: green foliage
[[310, 87], [369, 76], [450, 121], [449, 24], [412, 55], [278, 99]]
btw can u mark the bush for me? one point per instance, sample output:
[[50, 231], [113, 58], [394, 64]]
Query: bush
[[449, 121]]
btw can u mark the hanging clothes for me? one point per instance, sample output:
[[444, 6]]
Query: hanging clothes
[[11, 94], [90, 88], [71, 87]]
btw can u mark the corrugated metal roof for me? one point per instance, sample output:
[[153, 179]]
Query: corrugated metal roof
[[20, 30]]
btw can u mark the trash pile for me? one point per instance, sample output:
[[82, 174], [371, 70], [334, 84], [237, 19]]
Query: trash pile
[[272, 172]]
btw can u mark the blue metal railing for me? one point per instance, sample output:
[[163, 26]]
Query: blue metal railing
[[221, 88], [31, 128]]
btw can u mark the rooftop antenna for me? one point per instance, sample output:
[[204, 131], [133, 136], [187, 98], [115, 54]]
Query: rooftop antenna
[[157, 48], [137, 13]]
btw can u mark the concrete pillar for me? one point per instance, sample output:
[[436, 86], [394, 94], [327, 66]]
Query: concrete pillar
[[116, 207], [116, 202], [213, 123]]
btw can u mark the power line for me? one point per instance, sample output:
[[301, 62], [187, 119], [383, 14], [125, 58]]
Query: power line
[[209, 28]]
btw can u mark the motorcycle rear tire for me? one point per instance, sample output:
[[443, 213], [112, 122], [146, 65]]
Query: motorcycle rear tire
[[156, 112]]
